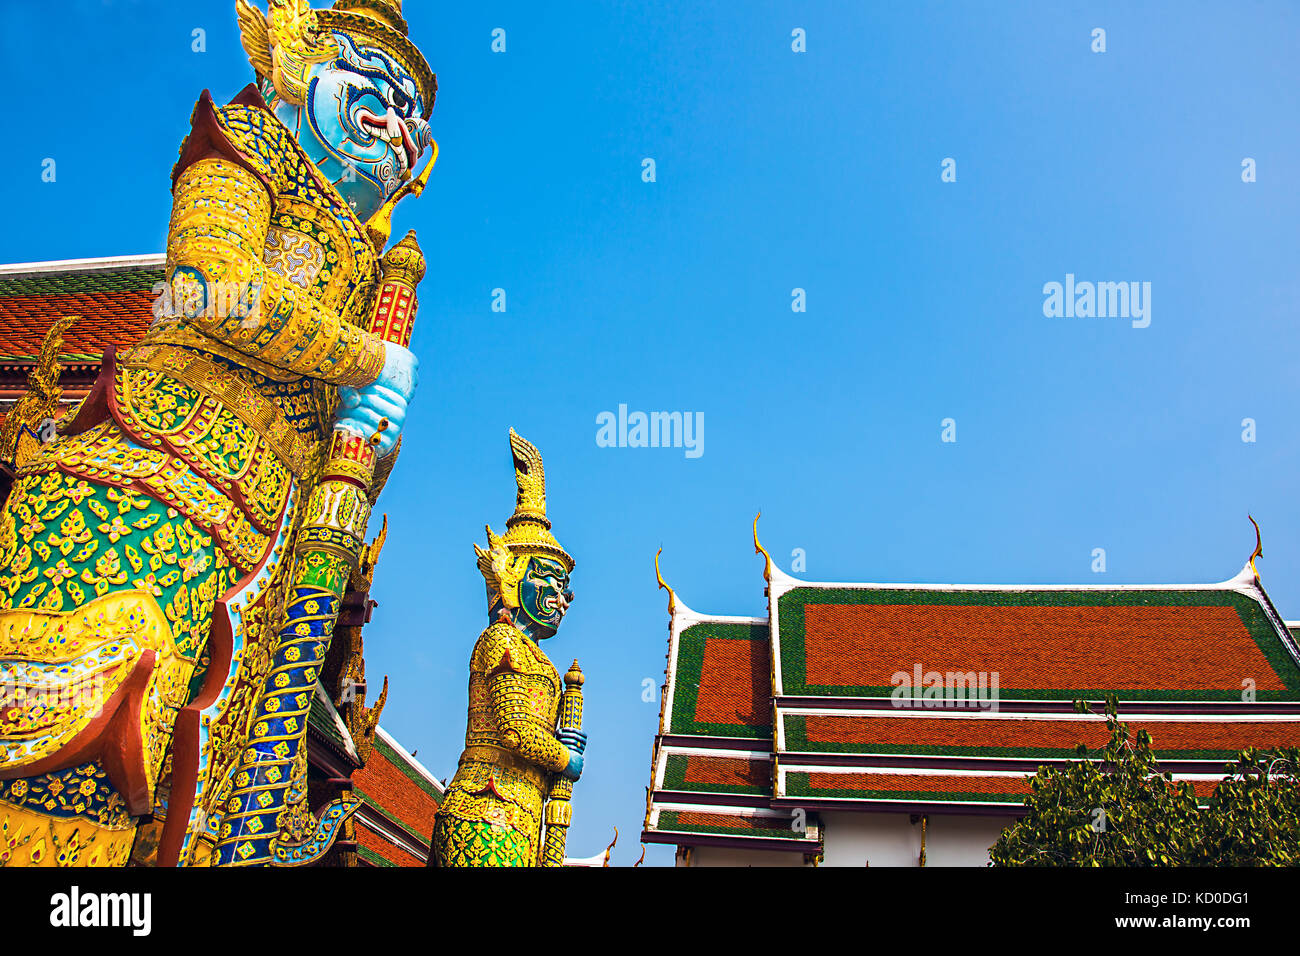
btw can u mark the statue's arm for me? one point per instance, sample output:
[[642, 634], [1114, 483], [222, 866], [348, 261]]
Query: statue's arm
[[221, 212], [508, 694]]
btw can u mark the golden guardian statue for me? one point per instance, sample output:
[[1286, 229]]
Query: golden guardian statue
[[515, 757], [173, 558]]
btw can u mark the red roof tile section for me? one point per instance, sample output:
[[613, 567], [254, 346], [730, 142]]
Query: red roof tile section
[[918, 783], [968, 785], [1123, 647], [944, 733], [396, 793], [728, 772], [734, 683], [115, 318], [376, 844]]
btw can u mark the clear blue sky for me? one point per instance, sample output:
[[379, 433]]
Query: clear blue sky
[[775, 170]]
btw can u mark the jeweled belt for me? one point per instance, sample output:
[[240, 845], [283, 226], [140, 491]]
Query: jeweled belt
[[506, 759], [242, 400]]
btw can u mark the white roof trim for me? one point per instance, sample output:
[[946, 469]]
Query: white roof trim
[[1243, 582], [150, 260], [419, 767], [380, 827]]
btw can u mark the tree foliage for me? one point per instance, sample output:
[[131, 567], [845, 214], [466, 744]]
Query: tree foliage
[[1118, 808]]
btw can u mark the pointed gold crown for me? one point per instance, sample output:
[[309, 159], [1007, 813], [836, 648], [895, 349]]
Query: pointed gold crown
[[282, 43], [528, 531]]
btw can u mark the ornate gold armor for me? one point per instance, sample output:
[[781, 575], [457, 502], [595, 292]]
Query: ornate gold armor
[[173, 482], [494, 809]]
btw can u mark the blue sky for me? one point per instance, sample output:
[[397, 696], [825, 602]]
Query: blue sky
[[775, 171]]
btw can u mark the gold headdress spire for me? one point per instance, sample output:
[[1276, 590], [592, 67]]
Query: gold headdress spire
[[528, 531], [530, 477], [389, 11]]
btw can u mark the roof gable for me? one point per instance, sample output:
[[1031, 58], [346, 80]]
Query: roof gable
[[721, 685]]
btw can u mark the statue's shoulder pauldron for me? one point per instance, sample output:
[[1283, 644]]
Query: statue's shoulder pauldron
[[245, 132], [504, 647]]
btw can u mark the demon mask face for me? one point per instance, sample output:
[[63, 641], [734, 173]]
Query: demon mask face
[[351, 87], [362, 124], [544, 597]]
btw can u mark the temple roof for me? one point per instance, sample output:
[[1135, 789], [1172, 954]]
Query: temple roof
[[399, 795], [928, 698], [1160, 642], [114, 297]]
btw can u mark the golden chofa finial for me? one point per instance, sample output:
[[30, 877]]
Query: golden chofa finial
[[759, 549], [1259, 550], [672, 597]]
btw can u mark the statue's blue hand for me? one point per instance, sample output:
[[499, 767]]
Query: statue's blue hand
[[573, 739], [574, 769], [362, 409]]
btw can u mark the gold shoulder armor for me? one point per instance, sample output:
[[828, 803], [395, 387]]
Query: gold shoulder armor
[[503, 647]]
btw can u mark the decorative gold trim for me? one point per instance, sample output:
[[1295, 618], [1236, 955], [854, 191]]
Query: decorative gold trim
[[178, 333], [99, 647], [251, 407], [32, 839]]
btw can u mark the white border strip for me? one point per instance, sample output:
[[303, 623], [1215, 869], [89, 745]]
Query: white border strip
[[924, 714], [419, 767], [152, 260]]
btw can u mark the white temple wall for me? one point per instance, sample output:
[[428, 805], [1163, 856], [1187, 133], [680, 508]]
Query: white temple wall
[[892, 839], [878, 839], [727, 856]]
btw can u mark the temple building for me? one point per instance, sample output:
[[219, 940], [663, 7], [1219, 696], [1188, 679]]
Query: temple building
[[347, 751], [898, 724]]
